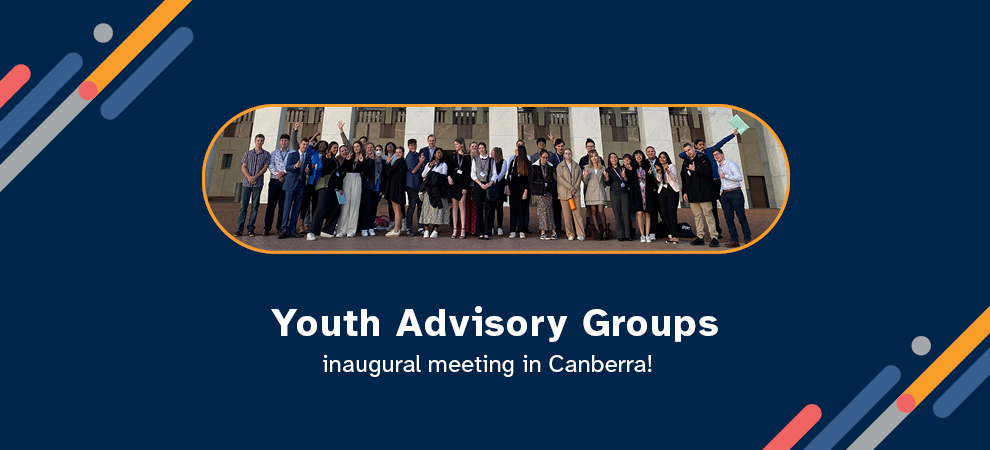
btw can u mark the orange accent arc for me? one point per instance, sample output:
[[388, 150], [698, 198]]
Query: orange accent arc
[[206, 199], [135, 43]]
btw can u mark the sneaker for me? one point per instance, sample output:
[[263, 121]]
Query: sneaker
[[426, 235], [350, 235], [392, 234], [570, 238], [340, 235], [714, 243], [581, 238], [325, 235], [672, 242], [420, 230], [251, 233], [653, 237], [310, 237], [522, 235], [512, 235], [641, 238], [499, 231], [698, 241], [371, 232], [364, 233], [237, 234], [434, 234], [553, 237], [409, 233], [543, 237]]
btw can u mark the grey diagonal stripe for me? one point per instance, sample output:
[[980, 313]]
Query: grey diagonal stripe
[[879, 429], [41, 137]]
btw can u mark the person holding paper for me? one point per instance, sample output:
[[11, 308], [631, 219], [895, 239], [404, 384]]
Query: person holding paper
[[696, 175], [699, 146], [732, 198]]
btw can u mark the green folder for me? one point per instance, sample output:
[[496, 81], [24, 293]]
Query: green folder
[[738, 123]]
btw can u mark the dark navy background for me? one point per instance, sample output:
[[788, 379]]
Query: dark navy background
[[130, 320]]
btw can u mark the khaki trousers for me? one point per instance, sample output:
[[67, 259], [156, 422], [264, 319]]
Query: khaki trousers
[[703, 213], [572, 219]]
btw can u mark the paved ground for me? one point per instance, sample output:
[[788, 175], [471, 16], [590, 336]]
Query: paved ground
[[226, 214]]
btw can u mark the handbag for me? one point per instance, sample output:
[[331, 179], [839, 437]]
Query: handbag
[[323, 182]]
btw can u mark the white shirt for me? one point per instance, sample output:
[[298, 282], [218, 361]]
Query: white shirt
[[440, 168], [733, 176]]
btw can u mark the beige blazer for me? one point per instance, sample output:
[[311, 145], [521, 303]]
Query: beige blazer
[[567, 181]]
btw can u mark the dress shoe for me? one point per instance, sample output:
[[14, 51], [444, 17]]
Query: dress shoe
[[732, 244]]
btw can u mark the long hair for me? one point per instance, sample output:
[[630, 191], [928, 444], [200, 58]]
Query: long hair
[[636, 164], [460, 140], [522, 161], [618, 161]]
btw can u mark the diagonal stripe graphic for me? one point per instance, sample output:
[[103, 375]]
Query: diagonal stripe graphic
[[963, 387], [89, 89], [146, 73], [796, 429], [37, 98], [856, 409], [13, 82]]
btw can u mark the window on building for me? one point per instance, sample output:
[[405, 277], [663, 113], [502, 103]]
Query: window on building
[[228, 159]]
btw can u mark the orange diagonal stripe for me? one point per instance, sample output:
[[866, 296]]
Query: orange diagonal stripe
[[951, 358], [137, 41]]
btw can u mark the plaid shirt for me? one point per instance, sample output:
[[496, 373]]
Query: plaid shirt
[[255, 161]]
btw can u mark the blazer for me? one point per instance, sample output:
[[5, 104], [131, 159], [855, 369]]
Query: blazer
[[671, 178], [567, 181], [619, 184], [539, 186], [697, 183], [294, 178]]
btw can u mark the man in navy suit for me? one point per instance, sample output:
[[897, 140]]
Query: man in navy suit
[[294, 186]]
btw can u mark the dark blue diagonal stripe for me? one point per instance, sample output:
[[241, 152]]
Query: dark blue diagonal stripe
[[856, 409], [965, 385], [39, 96], [144, 75]]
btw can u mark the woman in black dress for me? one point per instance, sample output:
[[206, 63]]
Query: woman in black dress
[[640, 201], [617, 179], [459, 175], [395, 187]]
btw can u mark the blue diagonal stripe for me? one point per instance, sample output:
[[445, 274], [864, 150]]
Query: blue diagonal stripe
[[965, 385], [856, 409], [39, 96], [144, 75]]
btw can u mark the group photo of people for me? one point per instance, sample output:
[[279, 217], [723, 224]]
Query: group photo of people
[[327, 189]]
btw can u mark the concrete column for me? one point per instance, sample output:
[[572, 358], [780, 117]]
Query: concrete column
[[717, 127], [503, 130], [776, 176], [332, 115], [269, 122], [419, 124], [585, 123], [654, 130]]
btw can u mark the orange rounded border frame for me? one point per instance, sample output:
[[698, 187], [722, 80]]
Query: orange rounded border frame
[[206, 200]]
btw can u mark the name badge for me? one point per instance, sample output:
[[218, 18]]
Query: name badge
[[482, 174], [622, 185], [460, 172]]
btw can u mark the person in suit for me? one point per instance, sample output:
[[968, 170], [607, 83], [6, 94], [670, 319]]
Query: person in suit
[[294, 187], [594, 193], [617, 179], [569, 176]]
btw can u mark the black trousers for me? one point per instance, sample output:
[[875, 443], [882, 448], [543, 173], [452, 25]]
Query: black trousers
[[517, 223], [413, 209], [654, 216], [369, 209], [716, 187], [557, 213], [309, 203], [327, 211], [276, 198], [484, 212], [500, 211], [620, 209], [668, 212]]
